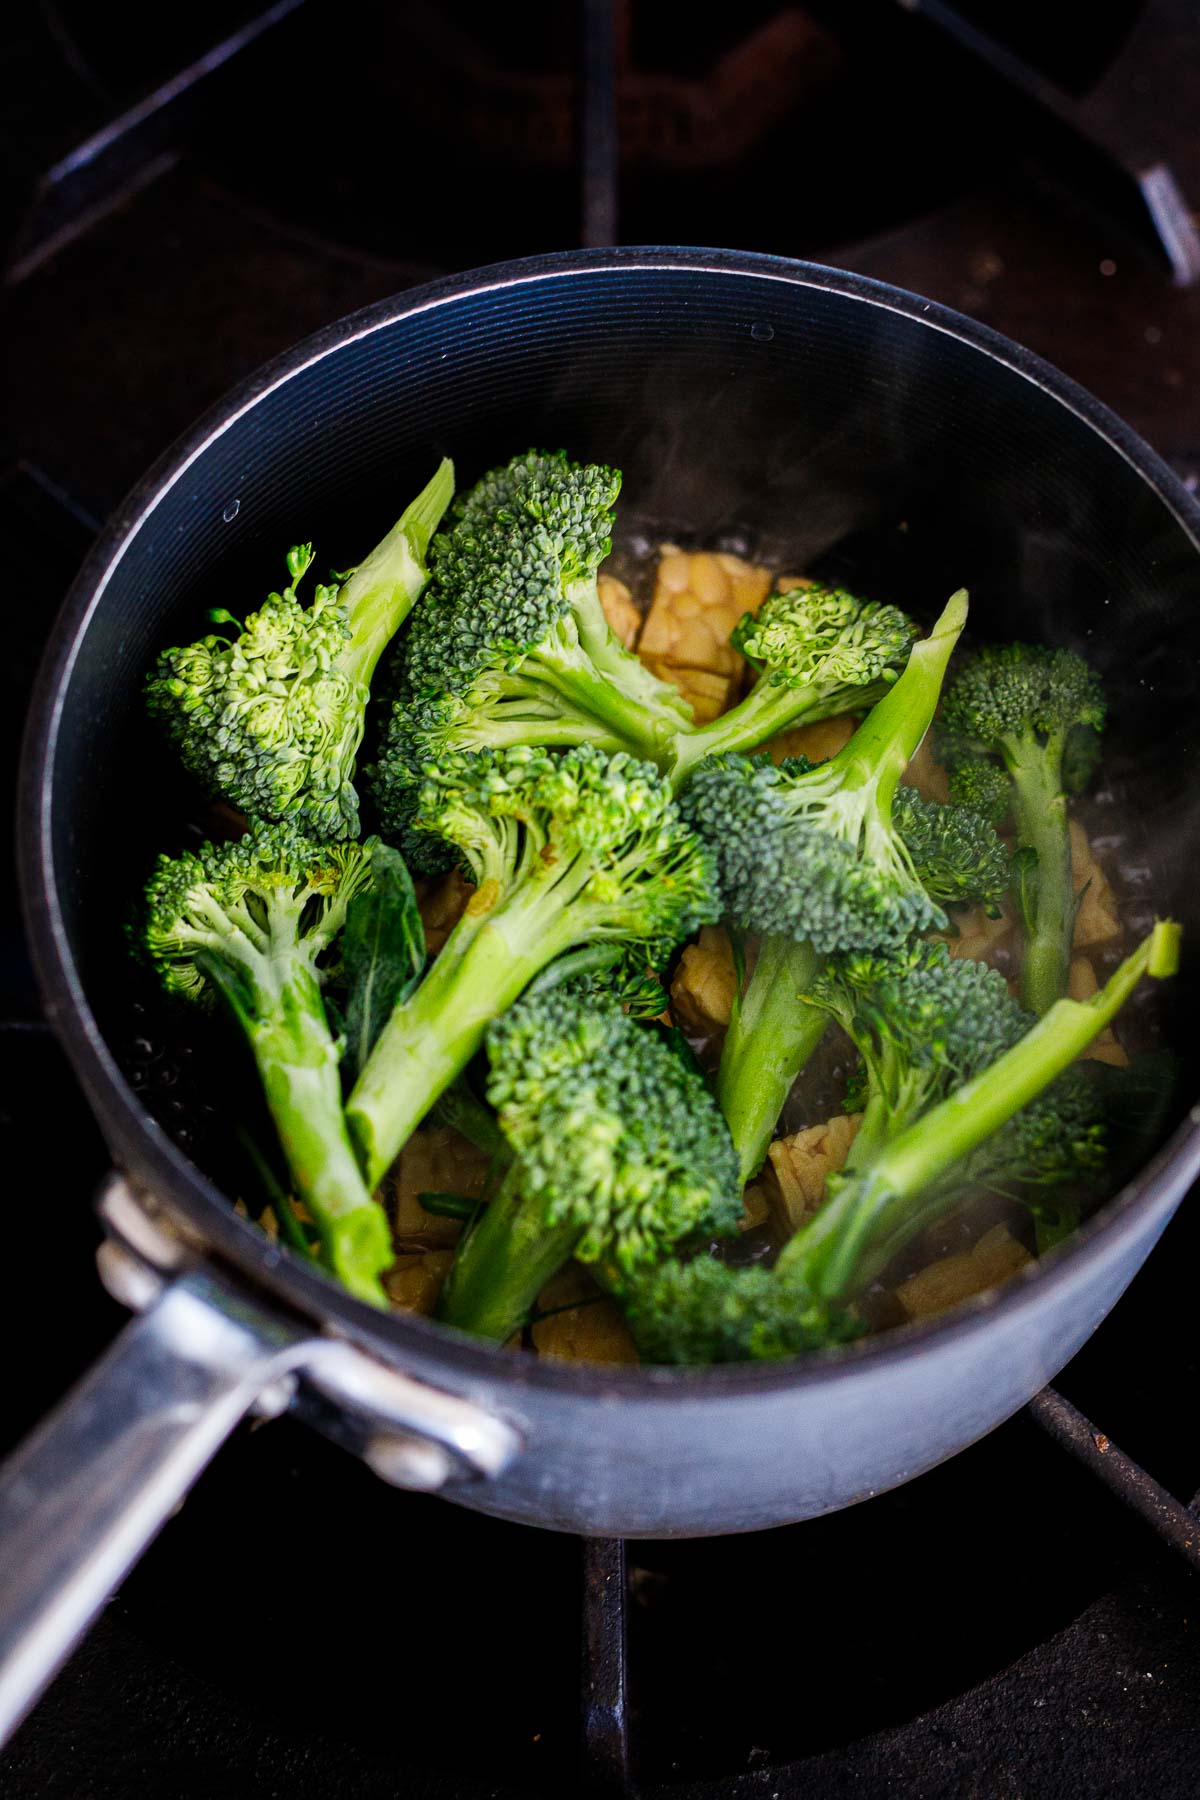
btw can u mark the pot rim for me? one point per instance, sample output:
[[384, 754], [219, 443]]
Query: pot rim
[[184, 1189]]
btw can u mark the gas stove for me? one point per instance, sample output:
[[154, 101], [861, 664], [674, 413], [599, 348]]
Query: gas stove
[[184, 200]]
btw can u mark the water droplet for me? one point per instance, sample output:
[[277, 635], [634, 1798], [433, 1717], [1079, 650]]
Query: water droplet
[[231, 511], [762, 334]]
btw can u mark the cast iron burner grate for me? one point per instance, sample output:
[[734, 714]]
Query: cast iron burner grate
[[1003, 1625]]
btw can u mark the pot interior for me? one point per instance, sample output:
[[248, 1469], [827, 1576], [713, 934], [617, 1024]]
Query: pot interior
[[801, 417]]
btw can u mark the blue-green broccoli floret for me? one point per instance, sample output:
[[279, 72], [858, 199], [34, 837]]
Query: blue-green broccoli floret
[[923, 1023], [566, 851], [964, 1093], [801, 853], [811, 851], [958, 856], [271, 714], [1035, 714], [252, 922], [619, 1154]]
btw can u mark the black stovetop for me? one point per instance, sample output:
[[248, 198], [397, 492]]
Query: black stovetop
[[1002, 1626]]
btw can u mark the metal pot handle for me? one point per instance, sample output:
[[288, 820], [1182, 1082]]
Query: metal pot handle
[[88, 1491]]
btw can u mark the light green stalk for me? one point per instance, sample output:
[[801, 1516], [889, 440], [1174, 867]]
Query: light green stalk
[[773, 1032], [380, 593], [1048, 899], [297, 1060], [494, 951], [872, 1215], [503, 1263]]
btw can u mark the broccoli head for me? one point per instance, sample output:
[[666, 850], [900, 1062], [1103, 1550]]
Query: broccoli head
[[250, 922], [956, 852], [982, 787], [802, 855], [811, 859], [819, 651], [706, 1311], [566, 851], [619, 1154], [1034, 714], [510, 645], [271, 714]]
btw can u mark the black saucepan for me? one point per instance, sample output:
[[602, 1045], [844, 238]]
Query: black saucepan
[[755, 401]]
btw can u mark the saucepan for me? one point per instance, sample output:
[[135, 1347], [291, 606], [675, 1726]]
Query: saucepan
[[750, 401]]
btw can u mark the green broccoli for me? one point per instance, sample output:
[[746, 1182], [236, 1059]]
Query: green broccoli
[[631, 974], [250, 922], [955, 851], [965, 1093], [272, 717], [619, 1154], [565, 851], [809, 858], [819, 651], [1030, 708], [510, 646], [982, 787]]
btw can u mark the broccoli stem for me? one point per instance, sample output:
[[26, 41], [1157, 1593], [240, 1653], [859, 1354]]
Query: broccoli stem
[[503, 1264], [890, 735], [872, 1214], [1040, 811], [297, 1061], [638, 721], [772, 1032], [609, 655], [771, 1036], [381, 592], [459, 1109], [481, 970], [768, 708]]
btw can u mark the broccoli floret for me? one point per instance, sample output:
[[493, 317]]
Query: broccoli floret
[[706, 1311], [631, 974], [955, 850], [1032, 709], [810, 858], [1022, 1118], [983, 787], [250, 921], [272, 716], [619, 1154], [510, 645], [819, 651], [565, 851], [923, 1023]]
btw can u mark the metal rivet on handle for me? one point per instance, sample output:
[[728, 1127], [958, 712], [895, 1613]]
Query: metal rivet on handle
[[409, 1462]]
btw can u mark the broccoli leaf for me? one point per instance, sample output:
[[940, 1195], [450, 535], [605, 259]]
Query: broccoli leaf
[[383, 951]]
